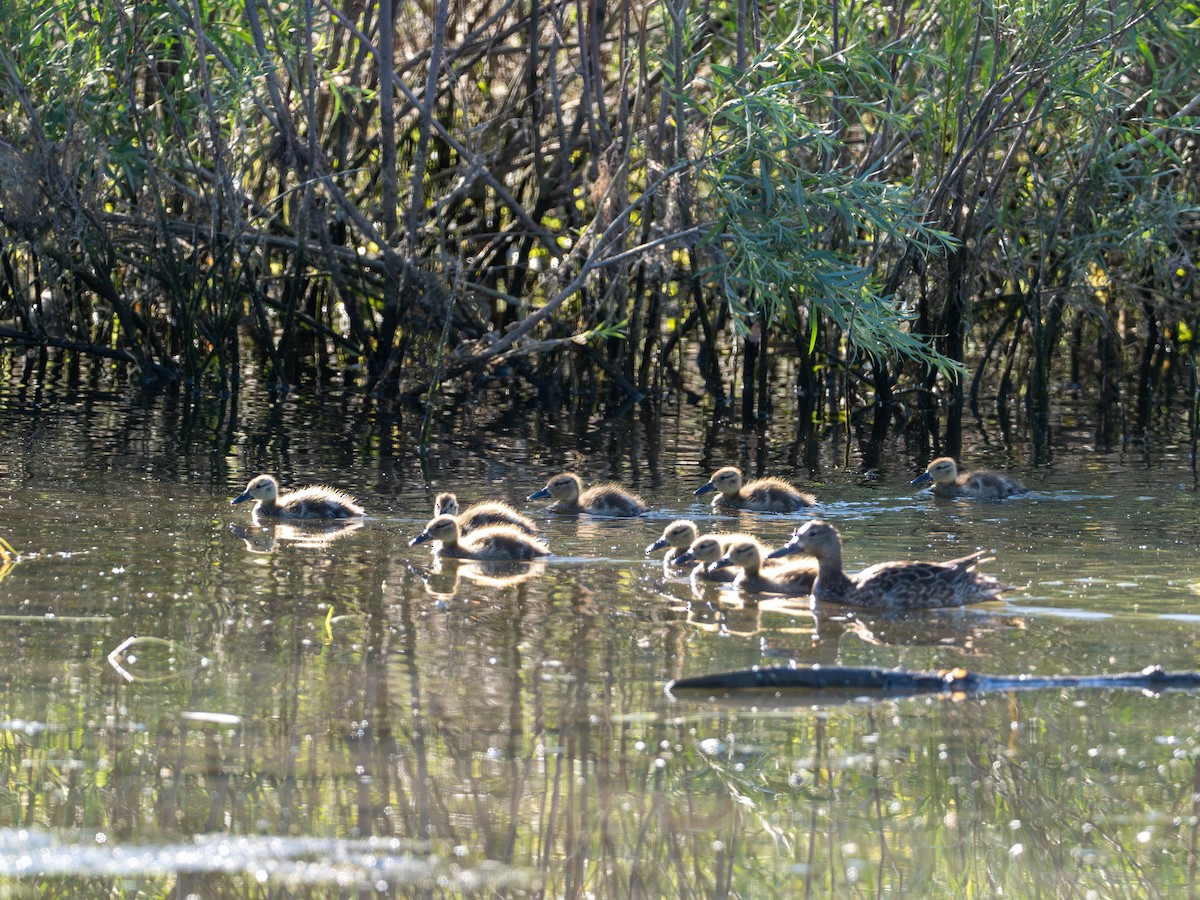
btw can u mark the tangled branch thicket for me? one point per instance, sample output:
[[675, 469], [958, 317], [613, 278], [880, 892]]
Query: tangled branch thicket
[[569, 193]]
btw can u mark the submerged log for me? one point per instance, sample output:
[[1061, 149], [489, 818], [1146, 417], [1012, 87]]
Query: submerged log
[[827, 684]]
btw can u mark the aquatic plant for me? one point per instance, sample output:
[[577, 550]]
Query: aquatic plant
[[860, 206]]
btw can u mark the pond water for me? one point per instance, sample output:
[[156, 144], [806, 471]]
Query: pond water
[[199, 704]]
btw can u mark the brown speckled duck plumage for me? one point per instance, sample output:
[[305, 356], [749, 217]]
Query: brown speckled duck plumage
[[315, 502], [482, 515], [980, 484], [601, 500], [889, 586], [494, 542], [760, 495]]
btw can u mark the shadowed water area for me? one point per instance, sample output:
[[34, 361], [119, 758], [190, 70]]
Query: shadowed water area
[[327, 711]]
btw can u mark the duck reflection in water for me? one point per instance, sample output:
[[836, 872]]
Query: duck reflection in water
[[265, 535], [444, 576], [793, 629], [959, 628]]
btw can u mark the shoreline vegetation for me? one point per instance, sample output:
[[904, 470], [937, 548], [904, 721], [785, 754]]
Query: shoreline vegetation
[[896, 213]]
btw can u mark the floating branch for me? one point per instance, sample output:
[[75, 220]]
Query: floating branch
[[837, 684], [152, 659]]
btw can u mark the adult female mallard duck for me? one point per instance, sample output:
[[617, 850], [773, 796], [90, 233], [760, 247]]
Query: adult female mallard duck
[[481, 515], [316, 502], [707, 551], [760, 495], [981, 484], [889, 586], [678, 536], [492, 542], [602, 500], [755, 577]]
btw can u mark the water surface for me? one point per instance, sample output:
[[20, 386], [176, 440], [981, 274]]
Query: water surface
[[333, 711]]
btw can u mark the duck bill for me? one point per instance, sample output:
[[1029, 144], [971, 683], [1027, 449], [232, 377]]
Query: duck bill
[[684, 558], [240, 498], [785, 550], [420, 539], [657, 545], [922, 478], [704, 490], [722, 563], [543, 494]]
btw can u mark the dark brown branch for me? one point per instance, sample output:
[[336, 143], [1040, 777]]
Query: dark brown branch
[[46, 340]]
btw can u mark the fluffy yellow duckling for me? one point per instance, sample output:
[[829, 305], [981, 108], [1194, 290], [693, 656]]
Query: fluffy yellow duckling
[[316, 502], [889, 586], [494, 542], [602, 500], [981, 484], [678, 536], [792, 580], [760, 495], [707, 551], [481, 515]]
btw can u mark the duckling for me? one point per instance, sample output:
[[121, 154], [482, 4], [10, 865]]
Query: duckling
[[889, 586], [679, 536], [481, 515], [760, 495], [602, 500], [981, 484], [793, 580], [707, 550], [316, 502], [492, 542]]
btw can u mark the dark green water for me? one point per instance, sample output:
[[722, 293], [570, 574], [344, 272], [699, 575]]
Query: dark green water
[[336, 714]]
